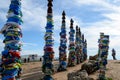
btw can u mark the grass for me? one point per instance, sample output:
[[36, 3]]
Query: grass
[[109, 78]]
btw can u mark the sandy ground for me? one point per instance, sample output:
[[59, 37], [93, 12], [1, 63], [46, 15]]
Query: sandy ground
[[30, 67], [113, 70], [63, 75]]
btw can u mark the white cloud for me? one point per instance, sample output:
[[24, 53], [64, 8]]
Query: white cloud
[[4, 4], [89, 2], [1, 44], [109, 28], [29, 44], [33, 16], [27, 52], [3, 9], [116, 1]]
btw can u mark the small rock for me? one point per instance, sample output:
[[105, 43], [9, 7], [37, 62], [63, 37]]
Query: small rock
[[93, 57]]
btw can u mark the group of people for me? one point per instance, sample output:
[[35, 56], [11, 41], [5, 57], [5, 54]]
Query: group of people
[[25, 60]]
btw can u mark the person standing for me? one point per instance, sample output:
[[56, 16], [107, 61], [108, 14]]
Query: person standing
[[114, 54], [28, 60]]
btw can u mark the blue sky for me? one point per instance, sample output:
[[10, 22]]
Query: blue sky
[[92, 16]]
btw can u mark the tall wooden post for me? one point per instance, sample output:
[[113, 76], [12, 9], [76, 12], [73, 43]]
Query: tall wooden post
[[72, 56], [80, 42], [102, 55], [48, 56], [62, 48], [85, 49], [11, 60], [77, 44]]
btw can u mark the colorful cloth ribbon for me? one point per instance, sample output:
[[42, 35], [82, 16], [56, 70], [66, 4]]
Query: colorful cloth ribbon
[[11, 62]]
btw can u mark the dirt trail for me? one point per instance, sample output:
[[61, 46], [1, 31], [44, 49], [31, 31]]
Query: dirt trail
[[63, 75]]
